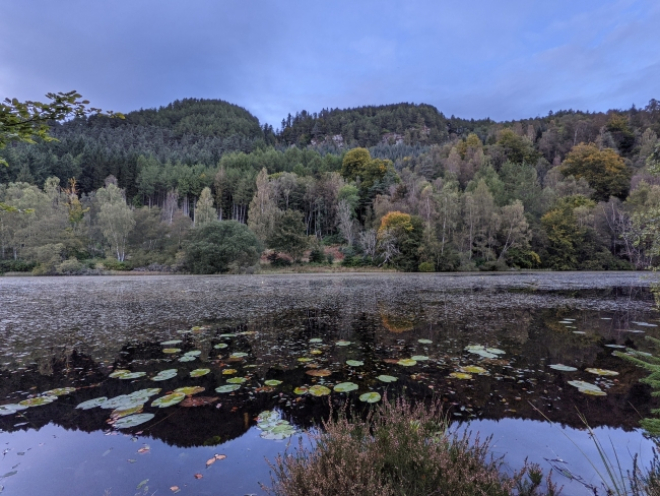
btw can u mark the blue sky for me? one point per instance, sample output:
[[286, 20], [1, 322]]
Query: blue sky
[[501, 59]]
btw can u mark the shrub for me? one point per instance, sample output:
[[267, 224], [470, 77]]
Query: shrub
[[71, 267], [426, 267], [114, 264], [277, 261], [398, 450], [16, 266], [317, 255], [211, 249]]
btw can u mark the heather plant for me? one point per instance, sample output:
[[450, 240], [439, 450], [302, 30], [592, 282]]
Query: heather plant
[[398, 450]]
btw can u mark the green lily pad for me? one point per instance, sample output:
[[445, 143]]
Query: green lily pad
[[617, 346], [407, 362], [425, 341], [171, 351], [221, 346], [238, 354], [460, 375], [165, 375], [372, 397], [199, 372], [354, 363], [272, 382], [38, 401], [301, 390], [59, 391], [386, 378], [10, 409], [192, 353], [118, 373], [316, 340], [342, 342], [345, 387], [190, 390], [236, 380], [484, 352], [121, 413], [171, 342], [168, 400], [230, 335], [602, 372], [133, 420], [132, 375], [94, 403], [305, 359], [227, 388], [562, 368], [318, 390], [585, 386], [419, 358], [473, 369], [187, 358]]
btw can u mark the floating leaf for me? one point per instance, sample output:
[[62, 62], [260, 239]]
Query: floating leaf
[[425, 341], [193, 353], [133, 420], [473, 369], [190, 390], [10, 409], [562, 368], [305, 359], [229, 371], [419, 358], [171, 351], [319, 372], [171, 342], [318, 390], [132, 375], [354, 363], [460, 375], [484, 352], [187, 358], [341, 342], [168, 400], [316, 340], [119, 373], [586, 386], [386, 378], [591, 392], [221, 346], [372, 397], [272, 382], [120, 413], [316, 352], [199, 372], [602, 372], [300, 390], [345, 387], [238, 354], [37, 401], [227, 388], [236, 380], [617, 346], [59, 391], [230, 335], [407, 362], [165, 375]]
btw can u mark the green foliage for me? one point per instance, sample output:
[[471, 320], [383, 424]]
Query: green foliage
[[219, 246], [518, 149], [426, 267], [288, 234]]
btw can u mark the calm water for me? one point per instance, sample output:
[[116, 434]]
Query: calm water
[[487, 344]]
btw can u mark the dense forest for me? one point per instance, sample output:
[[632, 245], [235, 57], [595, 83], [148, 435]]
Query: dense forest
[[201, 186]]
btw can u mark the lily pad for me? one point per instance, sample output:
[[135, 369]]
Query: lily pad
[[121, 413], [94, 403], [305, 359], [190, 390], [419, 358], [586, 386], [345, 387], [473, 369], [59, 391], [132, 375], [236, 380], [484, 352], [37, 401], [171, 342], [342, 342], [168, 400], [319, 372], [372, 397], [133, 420], [10, 409], [272, 382], [227, 388], [301, 390], [407, 362], [617, 346], [118, 373], [194, 353], [603, 372], [199, 372], [238, 354], [354, 363], [229, 335], [165, 375], [221, 346], [316, 340], [386, 378], [171, 351], [425, 341], [229, 371], [316, 352], [460, 375], [318, 390], [187, 358], [562, 368]]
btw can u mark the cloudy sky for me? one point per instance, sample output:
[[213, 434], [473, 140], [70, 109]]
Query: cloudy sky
[[500, 59]]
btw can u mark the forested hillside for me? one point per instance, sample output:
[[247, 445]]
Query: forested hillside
[[397, 185]]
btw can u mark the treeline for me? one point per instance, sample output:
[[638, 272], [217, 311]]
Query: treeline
[[571, 190]]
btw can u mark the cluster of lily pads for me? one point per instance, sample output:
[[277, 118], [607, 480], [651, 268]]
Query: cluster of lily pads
[[45, 398], [273, 426]]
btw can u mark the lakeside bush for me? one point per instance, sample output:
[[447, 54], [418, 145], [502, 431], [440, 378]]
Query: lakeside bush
[[398, 450]]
